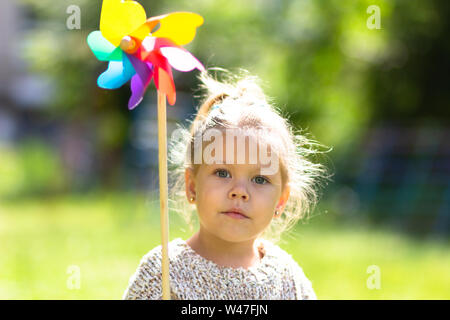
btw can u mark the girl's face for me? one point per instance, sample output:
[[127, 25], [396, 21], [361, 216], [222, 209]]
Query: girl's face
[[220, 189]]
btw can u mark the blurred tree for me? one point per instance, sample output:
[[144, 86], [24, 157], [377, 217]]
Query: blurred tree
[[410, 85], [318, 59]]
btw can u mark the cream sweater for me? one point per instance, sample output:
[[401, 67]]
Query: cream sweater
[[276, 277]]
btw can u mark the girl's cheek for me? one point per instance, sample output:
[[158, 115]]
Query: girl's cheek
[[212, 186], [215, 182]]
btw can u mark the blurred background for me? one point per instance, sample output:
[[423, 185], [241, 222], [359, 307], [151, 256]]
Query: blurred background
[[79, 172]]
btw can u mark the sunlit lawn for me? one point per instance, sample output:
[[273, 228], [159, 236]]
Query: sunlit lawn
[[105, 236]]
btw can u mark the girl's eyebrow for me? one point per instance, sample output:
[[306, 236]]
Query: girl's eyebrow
[[256, 170]]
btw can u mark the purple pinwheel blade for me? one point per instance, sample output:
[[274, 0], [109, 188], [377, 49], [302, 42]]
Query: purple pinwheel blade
[[140, 81]]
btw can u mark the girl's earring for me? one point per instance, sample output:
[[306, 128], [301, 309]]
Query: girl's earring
[[191, 199], [277, 213]]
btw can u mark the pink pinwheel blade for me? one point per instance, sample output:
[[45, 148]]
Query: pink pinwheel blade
[[181, 59]]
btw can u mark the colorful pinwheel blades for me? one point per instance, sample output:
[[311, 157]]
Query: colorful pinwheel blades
[[134, 53]]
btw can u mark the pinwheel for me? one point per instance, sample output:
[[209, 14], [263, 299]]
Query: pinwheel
[[137, 52]]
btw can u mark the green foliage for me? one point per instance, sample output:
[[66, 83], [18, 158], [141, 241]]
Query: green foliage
[[319, 59], [41, 167], [32, 168], [332, 74], [12, 176]]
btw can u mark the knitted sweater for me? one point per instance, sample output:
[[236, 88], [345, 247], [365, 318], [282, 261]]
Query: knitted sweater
[[276, 277]]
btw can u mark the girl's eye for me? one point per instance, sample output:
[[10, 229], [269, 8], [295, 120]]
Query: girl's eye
[[222, 173], [260, 180]]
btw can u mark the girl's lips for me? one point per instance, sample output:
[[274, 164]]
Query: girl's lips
[[235, 215]]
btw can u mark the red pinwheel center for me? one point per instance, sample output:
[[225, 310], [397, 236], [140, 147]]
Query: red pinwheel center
[[128, 44]]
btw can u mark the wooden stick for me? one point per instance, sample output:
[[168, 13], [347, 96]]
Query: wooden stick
[[163, 193]]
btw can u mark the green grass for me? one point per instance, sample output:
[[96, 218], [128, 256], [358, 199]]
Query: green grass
[[106, 235]]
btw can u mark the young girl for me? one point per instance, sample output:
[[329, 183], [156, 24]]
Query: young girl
[[245, 195]]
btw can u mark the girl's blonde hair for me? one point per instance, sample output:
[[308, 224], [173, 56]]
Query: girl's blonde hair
[[242, 104]]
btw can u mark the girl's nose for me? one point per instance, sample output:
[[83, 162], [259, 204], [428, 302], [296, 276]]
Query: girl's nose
[[238, 192]]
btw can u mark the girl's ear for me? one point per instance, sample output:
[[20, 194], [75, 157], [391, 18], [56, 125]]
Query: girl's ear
[[283, 199], [189, 180]]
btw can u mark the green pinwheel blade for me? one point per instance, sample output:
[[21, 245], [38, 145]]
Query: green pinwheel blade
[[102, 48]]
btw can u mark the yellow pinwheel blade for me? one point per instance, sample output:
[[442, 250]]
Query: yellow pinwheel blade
[[180, 27], [120, 18]]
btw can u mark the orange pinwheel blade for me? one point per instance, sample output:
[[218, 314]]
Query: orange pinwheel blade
[[167, 86]]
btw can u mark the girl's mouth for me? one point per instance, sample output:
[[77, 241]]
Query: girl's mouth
[[235, 215]]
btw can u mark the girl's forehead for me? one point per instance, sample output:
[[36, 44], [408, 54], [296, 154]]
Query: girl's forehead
[[237, 148]]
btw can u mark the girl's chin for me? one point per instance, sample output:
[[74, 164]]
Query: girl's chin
[[231, 232]]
